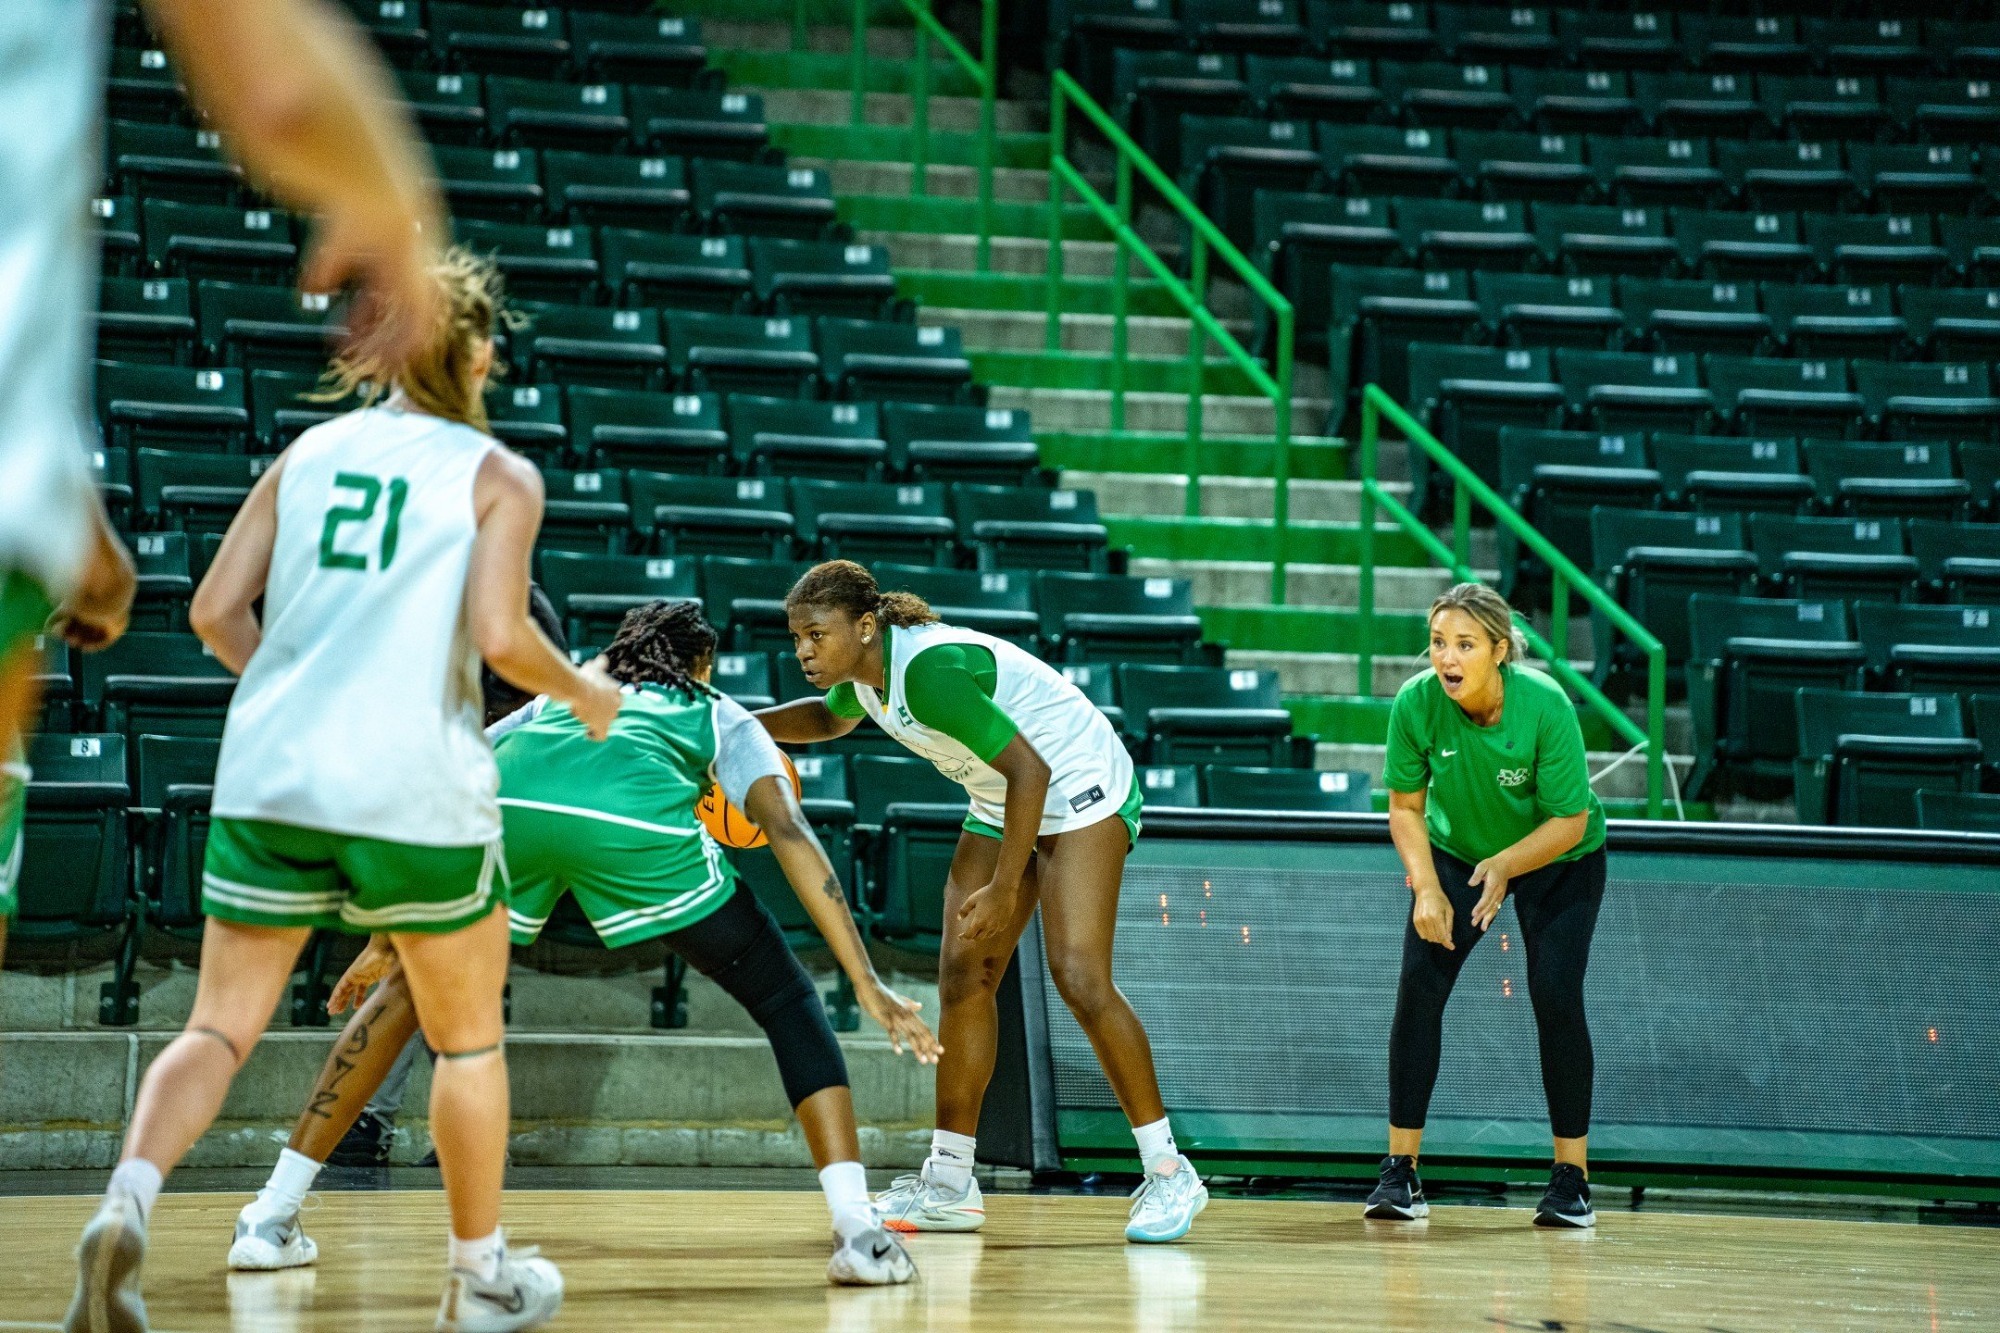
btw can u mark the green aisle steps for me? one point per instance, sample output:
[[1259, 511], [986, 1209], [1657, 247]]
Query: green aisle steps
[[889, 143], [1150, 537], [955, 290], [958, 216], [814, 69], [1302, 629], [1314, 458], [1079, 370]]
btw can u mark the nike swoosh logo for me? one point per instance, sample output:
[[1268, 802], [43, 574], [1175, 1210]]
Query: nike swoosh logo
[[515, 1302], [1446, 754]]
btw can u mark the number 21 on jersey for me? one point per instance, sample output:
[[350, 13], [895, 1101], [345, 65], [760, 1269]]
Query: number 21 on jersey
[[356, 497]]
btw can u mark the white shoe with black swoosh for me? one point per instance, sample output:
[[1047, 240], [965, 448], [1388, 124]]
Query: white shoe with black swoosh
[[875, 1258], [525, 1293]]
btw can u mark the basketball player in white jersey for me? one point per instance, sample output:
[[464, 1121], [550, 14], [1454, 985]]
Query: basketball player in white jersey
[[1054, 811], [306, 107], [356, 789]]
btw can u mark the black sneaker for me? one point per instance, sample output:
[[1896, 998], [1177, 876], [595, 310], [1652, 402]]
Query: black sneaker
[[366, 1143], [1567, 1202], [1399, 1195]]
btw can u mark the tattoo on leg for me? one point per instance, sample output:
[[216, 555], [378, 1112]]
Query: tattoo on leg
[[221, 1037], [471, 1055], [345, 1061], [832, 889]]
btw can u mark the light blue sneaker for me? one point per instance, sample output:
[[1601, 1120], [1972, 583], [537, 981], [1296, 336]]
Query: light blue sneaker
[[1165, 1206]]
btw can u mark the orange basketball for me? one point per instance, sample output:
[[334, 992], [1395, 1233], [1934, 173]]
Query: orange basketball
[[730, 826]]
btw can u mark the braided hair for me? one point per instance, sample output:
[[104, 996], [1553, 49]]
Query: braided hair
[[663, 643]]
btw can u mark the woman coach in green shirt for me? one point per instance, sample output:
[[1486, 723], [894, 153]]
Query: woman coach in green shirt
[[1489, 795]]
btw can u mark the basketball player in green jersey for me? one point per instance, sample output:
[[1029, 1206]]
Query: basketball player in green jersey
[[1054, 811], [614, 824]]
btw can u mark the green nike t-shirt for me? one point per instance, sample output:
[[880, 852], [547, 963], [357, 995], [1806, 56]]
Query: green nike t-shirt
[[1489, 787], [948, 688]]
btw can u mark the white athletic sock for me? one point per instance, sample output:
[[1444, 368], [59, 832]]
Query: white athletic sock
[[846, 1187], [140, 1179], [1156, 1147], [950, 1162], [285, 1192], [481, 1257]]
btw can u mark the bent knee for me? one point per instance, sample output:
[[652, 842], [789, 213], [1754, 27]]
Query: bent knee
[[1084, 983], [964, 980]]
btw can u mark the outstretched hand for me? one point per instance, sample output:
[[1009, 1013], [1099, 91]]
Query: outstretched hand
[[898, 1016]]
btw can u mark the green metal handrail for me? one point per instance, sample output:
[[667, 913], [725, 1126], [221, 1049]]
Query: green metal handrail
[[1192, 296], [1376, 406], [984, 71]]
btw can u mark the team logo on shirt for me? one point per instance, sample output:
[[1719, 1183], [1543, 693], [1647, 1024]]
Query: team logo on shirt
[[1511, 777]]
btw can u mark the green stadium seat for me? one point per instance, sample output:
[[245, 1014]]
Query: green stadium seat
[[1886, 480], [742, 516], [1974, 247], [1746, 42], [1436, 94], [176, 783], [1880, 248], [539, 263], [1934, 400], [1917, 178], [1112, 616], [1957, 812], [528, 418], [1622, 393], [1979, 464], [742, 353], [1301, 87], [1549, 310], [449, 107], [270, 328], [145, 320], [154, 682], [1226, 160], [1511, 164], [1153, 90], [956, 443], [1985, 709], [111, 470], [1224, 25], [1379, 313], [170, 162], [1468, 395], [1731, 474], [530, 113], [76, 852], [1718, 104], [584, 510], [659, 50], [503, 184], [196, 241], [1772, 396], [1756, 246], [531, 42], [699, 123], [397, 26], [140, 85], [1691, 315], [1519, 36], [1814, 106], [1848, 558], [1387, 160], [1836, 321], [1098, 682], [1800, 175], [612, 190], [1958, 561], [1952, 324], [1872, 45], [1604, 240], [591, 345], [1655, 173], [1748, 658], [871, 521], [914, 815], [166, 580], [822, 278], [1588, 100], [707, 273], [56, 683], [593, 592], [1643, 39], [1085, 36], [904, 362], [1466, 233], [1945, 110], [1863, 757], [1030, 527], [1377, 28], [1288, 790], [1207, 715], [1968, 46], [1554, 479], [191, 492], [632, 428], [998, 602], [1171, 786], [755, 200], [1298, 237], [1651, 561], [172, 407], [117, 219], [1942, 649], [745, 600], [746, 678], [283, 406], [787, 437]]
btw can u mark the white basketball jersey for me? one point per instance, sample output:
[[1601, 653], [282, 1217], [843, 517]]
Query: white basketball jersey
[[1090, 774], [360, 712], [51, 92]]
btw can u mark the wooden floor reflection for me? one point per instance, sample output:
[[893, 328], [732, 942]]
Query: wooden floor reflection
[[753, 1261]]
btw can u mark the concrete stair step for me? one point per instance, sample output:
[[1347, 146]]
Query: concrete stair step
[[1138, 452], [1159, 338], [945, 252], [834, 107], [1090, 410], [960, 216], [1248, 583], [1165, 494], [1175, 538], [852, 174], [946, 289]]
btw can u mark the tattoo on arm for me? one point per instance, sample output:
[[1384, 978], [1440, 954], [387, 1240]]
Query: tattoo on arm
[[832, 890]]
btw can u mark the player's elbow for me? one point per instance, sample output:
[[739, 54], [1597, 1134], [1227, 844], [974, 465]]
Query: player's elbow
[[210, 612], [497, 635]]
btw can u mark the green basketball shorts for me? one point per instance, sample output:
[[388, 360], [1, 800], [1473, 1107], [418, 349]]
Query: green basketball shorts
[[633, 882], [261, 873]]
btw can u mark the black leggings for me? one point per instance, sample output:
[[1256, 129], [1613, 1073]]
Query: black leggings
[[740, 948], [1557, 906]]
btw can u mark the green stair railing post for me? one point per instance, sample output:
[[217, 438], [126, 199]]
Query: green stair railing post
[[989, 148], [1197, 359], [1115, 216], [984, 72], [1469, 487]]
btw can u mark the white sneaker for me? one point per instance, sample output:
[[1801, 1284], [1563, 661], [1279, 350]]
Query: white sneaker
[[875, 1258], [108, 1259], [1165, 1206], [264, 1243], [525, 1293], [916, 1203]]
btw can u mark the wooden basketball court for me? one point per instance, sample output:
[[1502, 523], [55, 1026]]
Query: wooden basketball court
[[753, 1261]]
